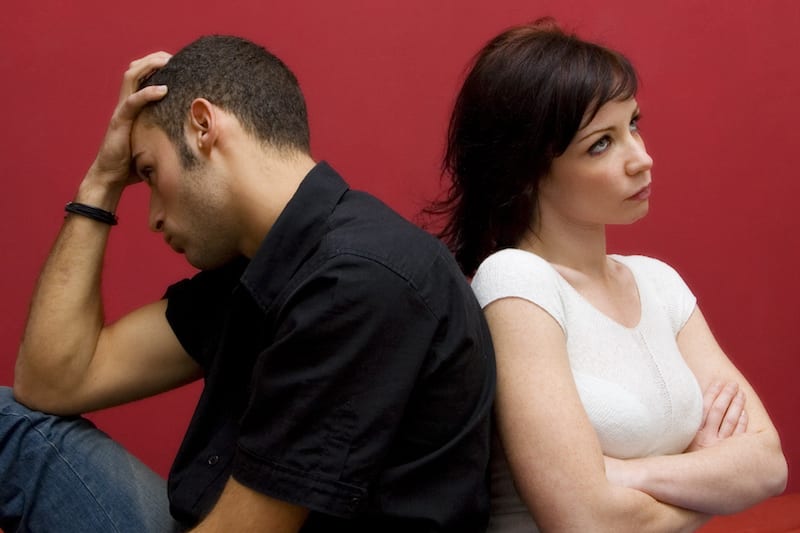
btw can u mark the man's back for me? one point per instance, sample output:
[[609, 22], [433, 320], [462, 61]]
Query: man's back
[[352, 372]]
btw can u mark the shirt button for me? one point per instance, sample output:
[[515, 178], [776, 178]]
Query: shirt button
[[214, 459]]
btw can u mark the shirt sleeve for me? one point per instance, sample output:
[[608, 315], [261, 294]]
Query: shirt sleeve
[[195, 309], [329, 392], [520, 274]]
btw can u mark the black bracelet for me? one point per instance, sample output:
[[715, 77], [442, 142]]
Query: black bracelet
[[95, 213]]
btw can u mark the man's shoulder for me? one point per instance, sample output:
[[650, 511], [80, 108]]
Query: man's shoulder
[[351, 221], [392, 256], [362, 225]]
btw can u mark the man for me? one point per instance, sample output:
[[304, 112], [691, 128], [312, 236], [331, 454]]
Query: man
[[348, 370]]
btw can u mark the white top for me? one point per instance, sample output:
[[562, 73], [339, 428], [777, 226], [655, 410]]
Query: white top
[[640, 396]]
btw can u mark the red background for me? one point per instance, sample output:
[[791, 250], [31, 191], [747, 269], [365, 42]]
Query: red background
[[719, 93]]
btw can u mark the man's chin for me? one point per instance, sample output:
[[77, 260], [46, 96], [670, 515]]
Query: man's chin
[[205, 262]]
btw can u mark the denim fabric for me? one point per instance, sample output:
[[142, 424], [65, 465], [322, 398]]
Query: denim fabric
[[62, 474]]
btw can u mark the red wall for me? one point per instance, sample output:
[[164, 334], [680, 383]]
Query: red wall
[[720, 117]]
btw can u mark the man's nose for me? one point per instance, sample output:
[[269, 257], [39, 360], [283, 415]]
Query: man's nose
[[156, 215]]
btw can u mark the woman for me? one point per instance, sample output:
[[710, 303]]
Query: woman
[[616, 408]]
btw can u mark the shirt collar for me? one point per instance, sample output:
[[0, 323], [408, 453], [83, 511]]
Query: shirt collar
[[298, 229]]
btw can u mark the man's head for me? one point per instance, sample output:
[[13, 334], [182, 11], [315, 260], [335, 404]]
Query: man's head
[[229, 103], [238, 76]]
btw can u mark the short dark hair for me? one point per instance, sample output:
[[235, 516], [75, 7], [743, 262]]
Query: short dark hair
[[242, 78], [529, 91]]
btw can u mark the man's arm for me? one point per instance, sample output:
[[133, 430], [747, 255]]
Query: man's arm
[[242, 509], [69, 361]]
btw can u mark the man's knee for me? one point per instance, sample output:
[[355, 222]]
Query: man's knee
[[7, 400], [10, 405], [14, 416]]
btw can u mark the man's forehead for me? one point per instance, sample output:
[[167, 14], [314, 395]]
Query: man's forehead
[[142, 122], [148, 140], [145, 131]]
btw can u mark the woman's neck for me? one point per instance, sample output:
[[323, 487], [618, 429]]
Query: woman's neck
[[577, 247]]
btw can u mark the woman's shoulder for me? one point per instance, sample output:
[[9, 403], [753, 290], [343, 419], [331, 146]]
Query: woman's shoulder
[[660, 282], [516, 273], [649, 267], [512, 265], [642, 262], [511, 259]]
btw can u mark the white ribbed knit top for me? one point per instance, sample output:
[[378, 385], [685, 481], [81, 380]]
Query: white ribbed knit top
[[640, 396]]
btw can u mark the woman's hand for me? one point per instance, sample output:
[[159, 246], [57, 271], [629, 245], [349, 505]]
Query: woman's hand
[[735, 459], [723, 415]]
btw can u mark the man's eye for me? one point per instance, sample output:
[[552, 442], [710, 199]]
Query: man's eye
[[145, 173]]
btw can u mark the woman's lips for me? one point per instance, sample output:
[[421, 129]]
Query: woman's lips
[[642, 194]]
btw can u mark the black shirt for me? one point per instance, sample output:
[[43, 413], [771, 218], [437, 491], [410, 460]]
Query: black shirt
[[348, 369]]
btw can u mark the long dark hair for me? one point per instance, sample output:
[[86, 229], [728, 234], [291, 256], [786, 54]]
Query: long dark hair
[[529, 91]]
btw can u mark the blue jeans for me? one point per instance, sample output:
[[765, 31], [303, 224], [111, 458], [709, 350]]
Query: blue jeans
[[62, 474]]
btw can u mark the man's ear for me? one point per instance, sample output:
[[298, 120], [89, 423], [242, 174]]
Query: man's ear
[[203, 124]]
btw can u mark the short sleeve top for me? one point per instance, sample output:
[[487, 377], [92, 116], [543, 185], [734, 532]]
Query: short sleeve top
[[639, 394]]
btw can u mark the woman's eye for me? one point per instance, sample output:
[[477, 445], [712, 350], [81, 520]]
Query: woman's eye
[[634, 125], [600, 146]]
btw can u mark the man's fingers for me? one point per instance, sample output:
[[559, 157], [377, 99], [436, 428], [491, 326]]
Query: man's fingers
[[150, 59], [140, 69], [131, 99], [113, 159], [135, 102]]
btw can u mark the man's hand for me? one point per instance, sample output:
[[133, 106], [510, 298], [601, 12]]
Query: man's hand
[[69, 360], [110, 172], [723, 415]]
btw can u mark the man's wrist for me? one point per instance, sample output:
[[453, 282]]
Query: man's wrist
[[99, 191], [94, 213]]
